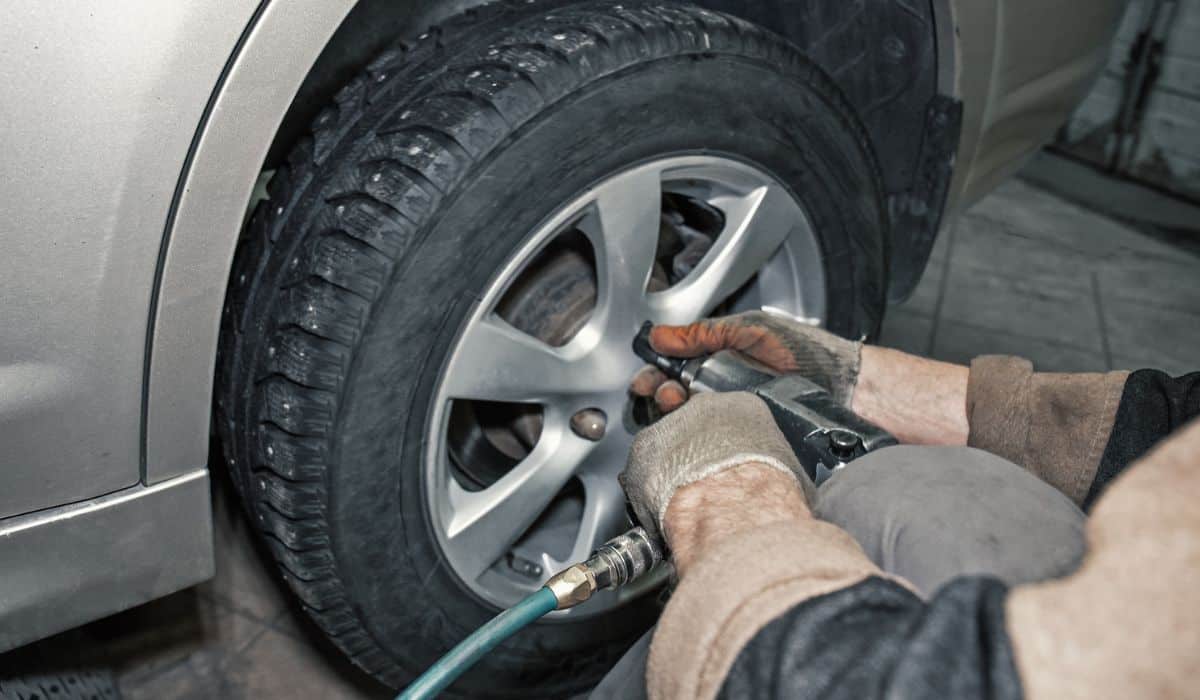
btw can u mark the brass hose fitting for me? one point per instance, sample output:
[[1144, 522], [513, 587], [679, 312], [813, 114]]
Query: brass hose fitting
[[615, 563]]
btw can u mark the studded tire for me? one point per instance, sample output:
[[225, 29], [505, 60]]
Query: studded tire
[[388, 219], [60, 685]]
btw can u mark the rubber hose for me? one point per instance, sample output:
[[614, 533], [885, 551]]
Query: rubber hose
[[468, 651]]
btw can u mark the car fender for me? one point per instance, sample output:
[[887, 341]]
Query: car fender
[[245, 111]]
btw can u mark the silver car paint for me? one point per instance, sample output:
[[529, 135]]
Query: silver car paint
[[198, 249], [1021, 67], [102, 109], [98, 103], [66, 566]]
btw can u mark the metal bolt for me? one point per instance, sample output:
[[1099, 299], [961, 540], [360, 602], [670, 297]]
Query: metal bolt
[[842, 443], [894, 47], [524, 567], [589, 424]]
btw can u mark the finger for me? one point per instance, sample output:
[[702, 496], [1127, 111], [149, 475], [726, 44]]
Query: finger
[[700, 338], [646, 381], [709, 336], [670, 396]]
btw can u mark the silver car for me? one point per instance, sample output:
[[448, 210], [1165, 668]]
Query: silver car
[[468, 211]]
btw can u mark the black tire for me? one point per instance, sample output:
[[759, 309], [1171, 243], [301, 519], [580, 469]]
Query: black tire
[[78, 685], [348, 289]]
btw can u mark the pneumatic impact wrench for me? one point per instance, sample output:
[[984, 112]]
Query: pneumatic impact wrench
[[824, 435]]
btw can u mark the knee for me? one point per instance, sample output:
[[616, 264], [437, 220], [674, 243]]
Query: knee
[[926, 478], [929, 513]]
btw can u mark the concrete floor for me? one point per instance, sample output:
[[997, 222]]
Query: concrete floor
[[1024, 273], [1028, 273]]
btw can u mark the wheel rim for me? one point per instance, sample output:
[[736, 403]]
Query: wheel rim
[[505, 536]]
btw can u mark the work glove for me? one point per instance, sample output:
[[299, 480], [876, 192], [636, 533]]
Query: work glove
[[777, 341], [712, 433]]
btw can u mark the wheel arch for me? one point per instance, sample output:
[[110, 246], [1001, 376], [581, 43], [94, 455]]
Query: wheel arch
[[246, 107], [289, 65]]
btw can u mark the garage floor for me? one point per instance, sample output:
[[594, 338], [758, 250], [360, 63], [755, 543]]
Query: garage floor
[[1028, 273], [1025, 272]]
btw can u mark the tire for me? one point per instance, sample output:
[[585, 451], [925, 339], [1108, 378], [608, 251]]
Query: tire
[[353, 279], [80, 685]]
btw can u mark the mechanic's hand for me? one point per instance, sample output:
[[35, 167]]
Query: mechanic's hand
[[711, 434], [781, 343]]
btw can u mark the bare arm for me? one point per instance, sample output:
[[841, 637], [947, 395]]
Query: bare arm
[[920, 401], [726, 505]]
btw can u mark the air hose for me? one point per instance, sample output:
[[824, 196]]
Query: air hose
[[616, 563], [481, 641]]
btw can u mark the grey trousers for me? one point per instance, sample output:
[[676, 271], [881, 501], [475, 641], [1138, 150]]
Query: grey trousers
[[930, 514]]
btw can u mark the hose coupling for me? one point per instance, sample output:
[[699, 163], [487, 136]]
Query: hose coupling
[[616, 563], [572, 586], [624, 558]]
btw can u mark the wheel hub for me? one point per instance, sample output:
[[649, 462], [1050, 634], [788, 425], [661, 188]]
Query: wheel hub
[[532, 420]]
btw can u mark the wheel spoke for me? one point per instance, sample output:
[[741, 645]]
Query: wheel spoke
[[624, 232], [484, 525], [497, 362], [603, 516], [756, 225]]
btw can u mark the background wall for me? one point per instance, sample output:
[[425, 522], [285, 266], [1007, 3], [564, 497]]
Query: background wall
[[1142, 119]]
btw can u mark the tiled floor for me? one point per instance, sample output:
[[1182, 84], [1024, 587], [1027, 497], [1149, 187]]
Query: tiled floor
[[236, 636], [1024, 272], [1027, 273]]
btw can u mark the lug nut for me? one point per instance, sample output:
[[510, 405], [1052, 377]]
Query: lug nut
[[589, 424], [843, 443]]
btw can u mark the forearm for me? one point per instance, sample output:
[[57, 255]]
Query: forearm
[[876, 639], [1055, 425], [745, 498], [747, 549], [1125, 624], [920, 401]]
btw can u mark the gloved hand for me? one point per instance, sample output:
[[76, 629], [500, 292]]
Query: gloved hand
[[712, 433], [779, 342]]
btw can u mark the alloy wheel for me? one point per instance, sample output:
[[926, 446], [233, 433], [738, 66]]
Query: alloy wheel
[[514, 490]]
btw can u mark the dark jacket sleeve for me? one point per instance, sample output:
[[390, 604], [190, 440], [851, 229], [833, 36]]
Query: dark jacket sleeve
[[877, 639], [1153, 404]]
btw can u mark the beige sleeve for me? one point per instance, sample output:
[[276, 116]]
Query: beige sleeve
[[739, 586], [1054, 425], [1127, 624]]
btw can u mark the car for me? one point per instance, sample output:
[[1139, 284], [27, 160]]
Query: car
[[469, 209]]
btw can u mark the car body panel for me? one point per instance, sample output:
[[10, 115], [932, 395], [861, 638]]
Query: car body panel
[[139, 131], [1021, 67], [199, 244], [98, 109], [67, 566]]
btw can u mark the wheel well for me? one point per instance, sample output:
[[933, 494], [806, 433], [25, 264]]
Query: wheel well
[[833, 32], [366, 31], [883, 54]]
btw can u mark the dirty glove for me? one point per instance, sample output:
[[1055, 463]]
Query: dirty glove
[[712, 433], [779, 342]]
